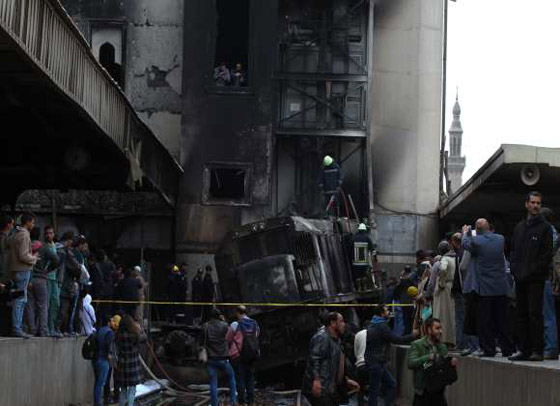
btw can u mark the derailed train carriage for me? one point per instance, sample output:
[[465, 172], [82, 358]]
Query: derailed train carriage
[[289, 260]]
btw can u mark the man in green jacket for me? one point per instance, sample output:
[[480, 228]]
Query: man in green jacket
[[422, 351]]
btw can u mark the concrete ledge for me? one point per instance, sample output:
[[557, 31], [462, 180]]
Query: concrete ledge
[[490, 382], [44, 371]]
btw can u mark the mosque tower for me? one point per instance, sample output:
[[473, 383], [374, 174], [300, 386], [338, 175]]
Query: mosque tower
[[456, 162]]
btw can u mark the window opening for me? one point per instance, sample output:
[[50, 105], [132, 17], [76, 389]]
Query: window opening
[[107, 59], [231, 55], [227, 183]]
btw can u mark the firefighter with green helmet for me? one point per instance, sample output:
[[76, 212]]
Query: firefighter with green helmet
[[330, 181]]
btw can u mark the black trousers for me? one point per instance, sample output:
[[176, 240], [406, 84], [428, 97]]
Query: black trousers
[[493, 325], [471, 314], [557, 308], [530, 323], [430, 399], [322, 401], [363, 380], [408, 315]]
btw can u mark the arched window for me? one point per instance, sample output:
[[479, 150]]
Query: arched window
[[107, 54]]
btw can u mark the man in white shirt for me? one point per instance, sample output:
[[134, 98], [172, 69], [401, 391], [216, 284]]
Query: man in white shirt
[[361, 368]]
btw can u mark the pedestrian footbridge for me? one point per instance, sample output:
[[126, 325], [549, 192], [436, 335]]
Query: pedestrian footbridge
[[65, 124]]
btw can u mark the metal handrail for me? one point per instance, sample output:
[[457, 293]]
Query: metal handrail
[[46, 33]]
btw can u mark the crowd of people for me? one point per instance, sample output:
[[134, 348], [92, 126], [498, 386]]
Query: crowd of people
[[476, 295], [48, 284], [492, 297]]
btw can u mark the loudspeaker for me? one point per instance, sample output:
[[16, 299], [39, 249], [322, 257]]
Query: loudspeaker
[[530, 175]]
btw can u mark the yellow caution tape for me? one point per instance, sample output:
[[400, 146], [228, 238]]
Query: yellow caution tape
[[234, 304]]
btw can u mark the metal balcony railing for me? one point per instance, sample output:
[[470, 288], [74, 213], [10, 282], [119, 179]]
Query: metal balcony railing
[[49, 38]]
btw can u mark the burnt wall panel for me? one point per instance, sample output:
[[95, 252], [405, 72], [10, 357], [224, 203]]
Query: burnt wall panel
[[225, 124]]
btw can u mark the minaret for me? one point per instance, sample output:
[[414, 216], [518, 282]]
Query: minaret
[[456, 162]]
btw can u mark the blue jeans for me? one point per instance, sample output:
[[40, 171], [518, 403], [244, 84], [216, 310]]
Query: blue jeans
[[21, 279], [381, 382], [223, 365], [127, 395], [245, 380], [549, 313], [101, 369]]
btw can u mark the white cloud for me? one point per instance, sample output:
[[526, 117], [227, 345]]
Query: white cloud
[[503, 56]]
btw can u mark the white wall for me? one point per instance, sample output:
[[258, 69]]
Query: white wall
[[114, 36], [406, 91]]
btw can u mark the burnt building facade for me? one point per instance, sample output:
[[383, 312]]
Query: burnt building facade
[[249, 95]]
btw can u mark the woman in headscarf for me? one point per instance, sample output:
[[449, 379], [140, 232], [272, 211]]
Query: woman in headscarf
[[87, 316]]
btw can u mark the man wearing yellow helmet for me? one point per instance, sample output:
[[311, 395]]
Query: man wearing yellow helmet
[[330, 182], [178, 286]]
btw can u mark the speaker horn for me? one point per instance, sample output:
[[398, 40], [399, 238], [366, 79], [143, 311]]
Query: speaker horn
[[530, 175]]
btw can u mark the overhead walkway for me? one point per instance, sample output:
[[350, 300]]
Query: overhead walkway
[[64, 122]]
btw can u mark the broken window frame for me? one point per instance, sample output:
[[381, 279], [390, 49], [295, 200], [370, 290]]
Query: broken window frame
[[207, 199], [249, 68], [100, 23]]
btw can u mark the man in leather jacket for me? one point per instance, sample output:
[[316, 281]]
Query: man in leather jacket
[[214, 340], [325, 378], [379, 339]]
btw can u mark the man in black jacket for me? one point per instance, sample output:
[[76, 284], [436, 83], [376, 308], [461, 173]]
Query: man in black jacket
[[102, 280], [215, 343], [379, 339], [530, 258], [325, 376]]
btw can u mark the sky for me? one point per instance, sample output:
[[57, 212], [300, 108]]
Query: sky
[[503, 56]]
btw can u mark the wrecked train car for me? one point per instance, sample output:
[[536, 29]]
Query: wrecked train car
[[287, 260]]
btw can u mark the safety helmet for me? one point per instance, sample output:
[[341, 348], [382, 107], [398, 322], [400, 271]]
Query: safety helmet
[[116, 320], [327, 160], [362, 227], [412, 291], [175, 268]]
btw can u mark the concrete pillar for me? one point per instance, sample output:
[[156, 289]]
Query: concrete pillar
[[406, 89]]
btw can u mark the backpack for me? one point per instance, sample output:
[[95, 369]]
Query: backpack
[[250, 351], [89, 348]]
